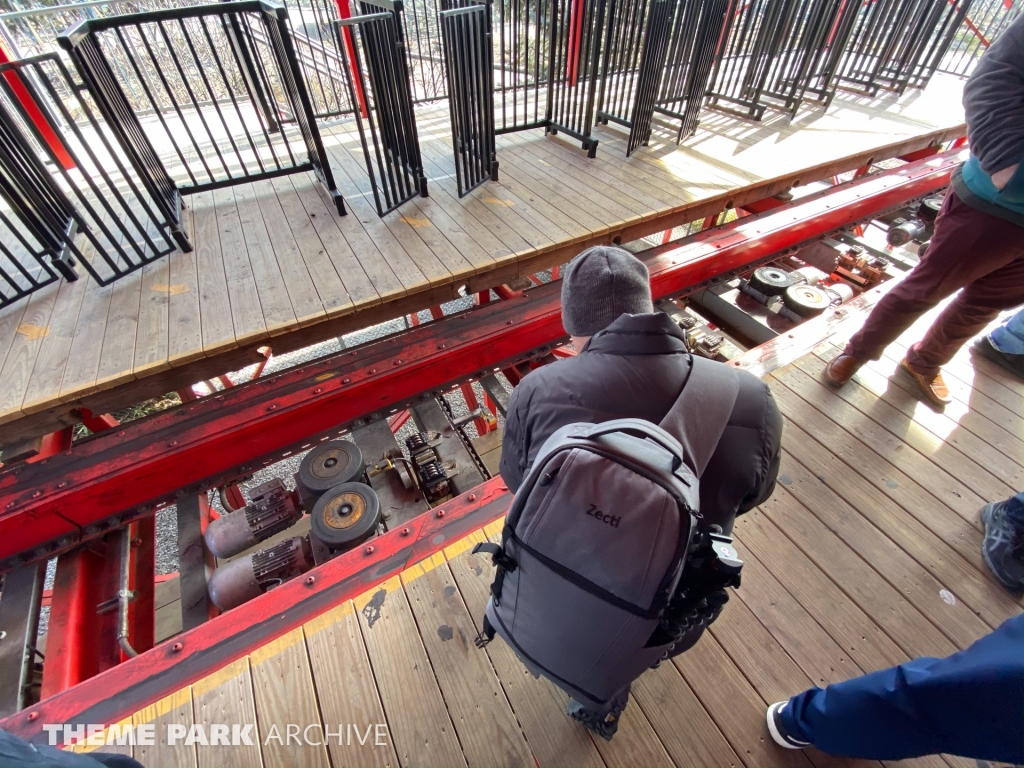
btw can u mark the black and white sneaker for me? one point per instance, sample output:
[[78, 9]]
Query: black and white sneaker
[[779, 734]]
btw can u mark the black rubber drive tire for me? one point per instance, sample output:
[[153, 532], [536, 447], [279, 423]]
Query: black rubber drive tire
[[806, 300], [772, 281], [330, 464], [346, 515]]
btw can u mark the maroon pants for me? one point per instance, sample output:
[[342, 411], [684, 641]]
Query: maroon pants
[[972, 250]]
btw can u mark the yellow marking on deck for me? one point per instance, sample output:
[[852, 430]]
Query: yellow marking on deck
[[177, 699], [454, 550], [222, 675], [416, 221], [329, 618], [498, 201], [422, 568], [174, 289], [34, 332], [388, 586], [494, 528], [276, 646]]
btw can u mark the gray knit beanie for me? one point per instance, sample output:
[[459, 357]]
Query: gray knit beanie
[[600, 284]]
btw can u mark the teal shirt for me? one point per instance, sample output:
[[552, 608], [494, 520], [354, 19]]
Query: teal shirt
[[980, 183]]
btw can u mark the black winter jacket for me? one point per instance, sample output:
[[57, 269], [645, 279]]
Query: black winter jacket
[[636, 368]]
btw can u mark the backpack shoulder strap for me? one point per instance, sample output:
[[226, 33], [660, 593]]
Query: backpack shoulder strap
[[700, 414]]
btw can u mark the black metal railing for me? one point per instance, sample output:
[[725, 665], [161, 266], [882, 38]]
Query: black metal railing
[[697, 31], [217, 88], [898, 44], [469, 67], [983, 23], [636, 46], [741, 72], [577, 42], [71, 195], [826, 51], [379, 82]]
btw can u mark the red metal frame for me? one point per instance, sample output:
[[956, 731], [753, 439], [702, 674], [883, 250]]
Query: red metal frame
[[398, 421], [73, 636], [575, 34], [482, 423], [97, 423], [36, 114], [210, 442], [116, 693], [54, 443], [142, 611], [345, 12]]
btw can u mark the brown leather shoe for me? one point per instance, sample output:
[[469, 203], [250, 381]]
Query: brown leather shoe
[[934, 388], [840, 369]]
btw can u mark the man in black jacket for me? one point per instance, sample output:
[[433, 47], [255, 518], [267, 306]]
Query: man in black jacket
[[633, 363]]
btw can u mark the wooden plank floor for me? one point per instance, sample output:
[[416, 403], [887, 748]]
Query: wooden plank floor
[[274, 264], [868, 554]]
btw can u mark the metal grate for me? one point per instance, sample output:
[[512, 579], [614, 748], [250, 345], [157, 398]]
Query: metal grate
[[217, 88], [71, 196], [469, 66], [384, 94]]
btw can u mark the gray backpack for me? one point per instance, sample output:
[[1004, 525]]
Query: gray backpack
[[595, 573]]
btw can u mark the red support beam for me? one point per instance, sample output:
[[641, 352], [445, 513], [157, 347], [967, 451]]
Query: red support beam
[[99, 423], [73, 637], [572, 63], [212, 441], [920, 154], [53, 444], [483, 426], [142, 610], [762, 205], [267, 352], [505, 293], [345, 12], [398, 421], [117, 693], [36, 114]]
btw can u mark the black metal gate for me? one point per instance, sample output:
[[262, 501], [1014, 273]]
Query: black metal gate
[[575, 69], [901, 43], [468, 58], [696, 32], [385, 92], [65, 183], [652, 65], [218, 85], [43, 224]]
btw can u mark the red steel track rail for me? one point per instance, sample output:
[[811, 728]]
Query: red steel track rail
[[124, 473], [120, 691]]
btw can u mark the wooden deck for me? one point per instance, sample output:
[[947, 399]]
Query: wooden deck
[[868, 554], [273, 263]]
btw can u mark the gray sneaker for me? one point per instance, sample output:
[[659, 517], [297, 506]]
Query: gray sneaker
[[1003, 547]]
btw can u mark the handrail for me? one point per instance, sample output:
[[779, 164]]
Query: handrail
[[53, 9]]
